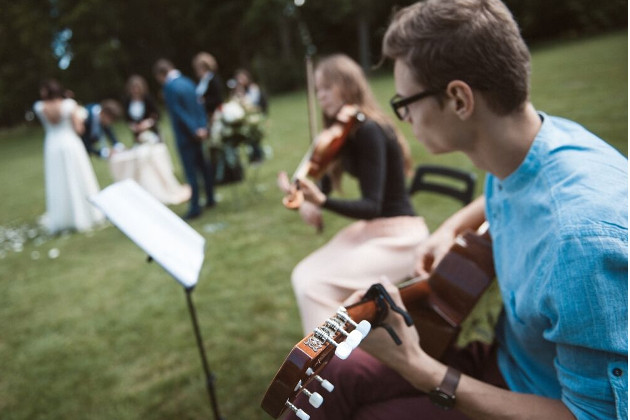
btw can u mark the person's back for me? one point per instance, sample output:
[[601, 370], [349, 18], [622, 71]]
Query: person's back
[[56, 115], [69, 177]]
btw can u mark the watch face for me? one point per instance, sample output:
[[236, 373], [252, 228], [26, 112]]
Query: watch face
[[442, 399]]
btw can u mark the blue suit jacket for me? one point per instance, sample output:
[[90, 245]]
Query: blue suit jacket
[[187, 114], [94, 130]]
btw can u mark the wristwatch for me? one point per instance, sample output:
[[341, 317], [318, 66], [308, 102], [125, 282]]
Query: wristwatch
[[444, 395]]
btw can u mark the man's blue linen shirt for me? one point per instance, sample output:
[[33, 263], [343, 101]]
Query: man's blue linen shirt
[[560, 239]]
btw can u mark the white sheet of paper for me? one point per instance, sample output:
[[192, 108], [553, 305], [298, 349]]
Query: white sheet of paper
[[159, 232]]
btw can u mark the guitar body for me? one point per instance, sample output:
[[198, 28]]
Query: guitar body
[[453, 289], [437, 304]]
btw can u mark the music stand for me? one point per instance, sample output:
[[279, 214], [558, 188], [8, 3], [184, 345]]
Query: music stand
[[167, 240]]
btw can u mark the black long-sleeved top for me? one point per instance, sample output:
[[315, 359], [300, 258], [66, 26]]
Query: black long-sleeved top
[[213, 96], [375, 158], [150, 111]]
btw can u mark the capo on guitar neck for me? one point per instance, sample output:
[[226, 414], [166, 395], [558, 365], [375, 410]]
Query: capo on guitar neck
[[384, 302]]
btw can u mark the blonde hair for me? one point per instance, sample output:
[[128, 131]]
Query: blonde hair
[[343, 72], [136, 80], [206, 60], [475, 41]]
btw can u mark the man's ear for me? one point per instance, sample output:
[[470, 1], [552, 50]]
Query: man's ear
[[461, 98]]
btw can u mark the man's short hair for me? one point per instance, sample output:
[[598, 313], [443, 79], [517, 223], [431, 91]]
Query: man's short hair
[[162, 67], [111, 108], [475, 41]]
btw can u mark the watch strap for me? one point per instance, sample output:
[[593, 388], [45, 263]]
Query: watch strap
[[450, 381]]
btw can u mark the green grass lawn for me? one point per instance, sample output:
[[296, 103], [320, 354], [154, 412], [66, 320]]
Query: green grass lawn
[[98, 333]]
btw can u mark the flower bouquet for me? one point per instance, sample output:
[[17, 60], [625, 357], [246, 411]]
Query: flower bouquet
[[235, 123]]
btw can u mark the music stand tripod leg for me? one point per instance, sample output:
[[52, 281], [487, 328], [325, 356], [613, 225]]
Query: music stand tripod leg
[[204, 360]]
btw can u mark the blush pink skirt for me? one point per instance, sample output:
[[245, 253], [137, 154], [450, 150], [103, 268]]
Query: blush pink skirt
[[354, 259]]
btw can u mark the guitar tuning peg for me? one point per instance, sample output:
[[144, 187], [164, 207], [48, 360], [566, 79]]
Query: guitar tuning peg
[[363, 327], [327, 385], [343, 350], [315, 399], [324, 382], [301, 414], [355, 338]]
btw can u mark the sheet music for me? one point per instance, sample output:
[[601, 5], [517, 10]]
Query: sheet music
[[163, 235]]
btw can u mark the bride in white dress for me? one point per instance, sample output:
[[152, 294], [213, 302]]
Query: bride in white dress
[[69, 176]]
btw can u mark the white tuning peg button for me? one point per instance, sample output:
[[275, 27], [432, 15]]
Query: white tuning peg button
[[364, 328], [298, 411], [324, 382], [343, 350], [354, 338], [316, 399], [327, 385], [302, 415]]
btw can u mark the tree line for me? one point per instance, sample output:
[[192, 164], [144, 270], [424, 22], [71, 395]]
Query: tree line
[[92, 46]]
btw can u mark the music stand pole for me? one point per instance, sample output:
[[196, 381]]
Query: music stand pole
[[202, 352]]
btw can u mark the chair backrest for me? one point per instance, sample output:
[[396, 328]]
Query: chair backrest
[[465, 178]]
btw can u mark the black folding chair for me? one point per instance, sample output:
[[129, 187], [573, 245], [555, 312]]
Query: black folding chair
[[463, 192]]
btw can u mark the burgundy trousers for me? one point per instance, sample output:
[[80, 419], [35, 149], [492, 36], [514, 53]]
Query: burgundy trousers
[[365, 389]]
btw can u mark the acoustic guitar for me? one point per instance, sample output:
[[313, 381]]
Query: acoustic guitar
[[437, 305]]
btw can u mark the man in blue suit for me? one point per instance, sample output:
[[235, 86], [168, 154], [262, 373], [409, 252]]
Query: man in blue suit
[[188, 119]]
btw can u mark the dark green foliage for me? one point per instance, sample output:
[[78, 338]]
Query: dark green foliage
[[116, 38]]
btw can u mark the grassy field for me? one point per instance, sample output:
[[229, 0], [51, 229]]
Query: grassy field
[[97, 333]]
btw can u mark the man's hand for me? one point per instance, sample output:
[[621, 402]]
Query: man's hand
[[379, 343], [431, 251], [202, 133]]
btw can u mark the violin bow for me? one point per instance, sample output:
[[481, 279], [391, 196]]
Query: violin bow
[[310, 92]]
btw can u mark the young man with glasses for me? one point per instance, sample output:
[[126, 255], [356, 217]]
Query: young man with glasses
[[556, 200]]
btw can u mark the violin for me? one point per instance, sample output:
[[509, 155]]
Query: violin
[[322, 152], [437, 305]]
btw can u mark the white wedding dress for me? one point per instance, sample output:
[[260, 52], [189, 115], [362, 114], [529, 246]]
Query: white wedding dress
[[70, 178]]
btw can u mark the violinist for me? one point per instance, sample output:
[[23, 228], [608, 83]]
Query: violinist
[[386, 232]]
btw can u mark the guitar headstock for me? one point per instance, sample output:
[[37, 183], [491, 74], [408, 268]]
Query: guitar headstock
[[338, 335]]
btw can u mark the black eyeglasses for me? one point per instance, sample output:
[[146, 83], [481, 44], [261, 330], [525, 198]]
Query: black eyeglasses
[[401, 105]]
